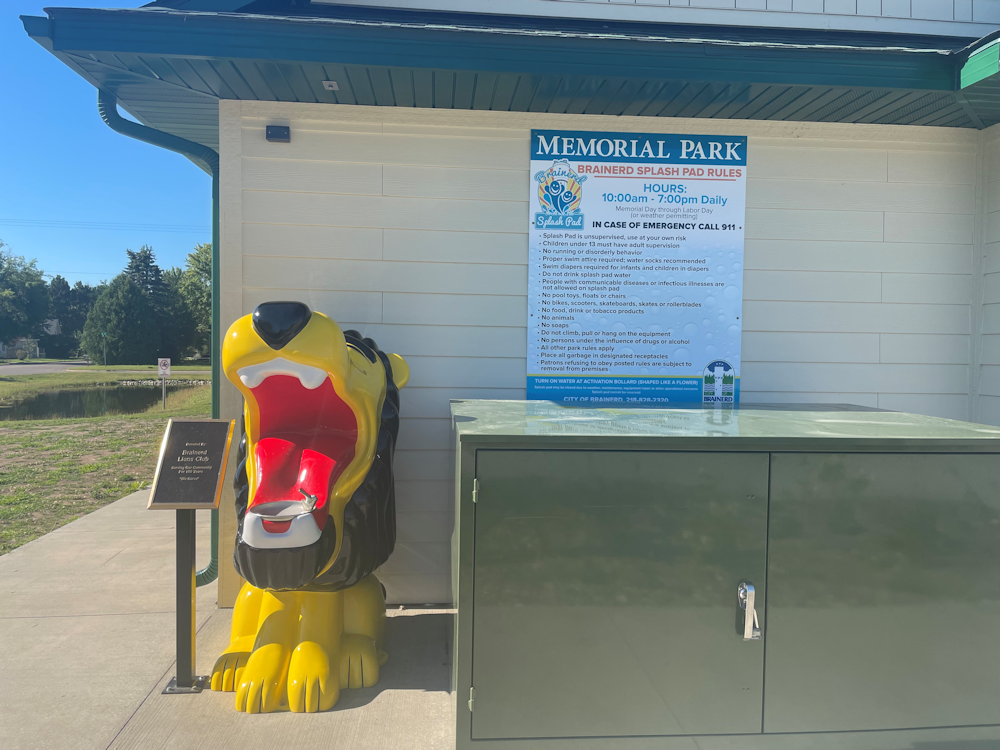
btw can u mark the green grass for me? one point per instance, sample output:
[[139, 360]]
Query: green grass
[[82, 365], [22, 386], [33, 361], [54, 471], [152, 368]]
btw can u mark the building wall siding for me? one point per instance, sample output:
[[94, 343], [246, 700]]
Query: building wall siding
[[411, 226], [988, 410]]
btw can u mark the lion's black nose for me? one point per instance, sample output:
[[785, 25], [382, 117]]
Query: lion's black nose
[[278, 322]]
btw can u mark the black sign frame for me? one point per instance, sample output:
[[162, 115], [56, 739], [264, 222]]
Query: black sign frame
[[202, 439]]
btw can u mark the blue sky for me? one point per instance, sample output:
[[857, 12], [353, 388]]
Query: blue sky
[[73, 193]]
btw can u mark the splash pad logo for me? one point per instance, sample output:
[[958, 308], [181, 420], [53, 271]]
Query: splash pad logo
[[560, 191], [718, 383]]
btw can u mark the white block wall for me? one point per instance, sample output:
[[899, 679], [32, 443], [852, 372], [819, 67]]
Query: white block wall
[[988, 405], [411, 226]]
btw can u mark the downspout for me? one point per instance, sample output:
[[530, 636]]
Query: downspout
[[208, 160]]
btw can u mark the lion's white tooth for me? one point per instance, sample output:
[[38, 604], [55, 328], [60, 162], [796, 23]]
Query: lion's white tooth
[[253, 375], [311, 377]]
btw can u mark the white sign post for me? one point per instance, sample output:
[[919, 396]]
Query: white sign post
[[163, 367], [635, 270]]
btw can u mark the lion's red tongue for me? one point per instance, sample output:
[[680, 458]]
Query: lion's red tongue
[[283, 469]]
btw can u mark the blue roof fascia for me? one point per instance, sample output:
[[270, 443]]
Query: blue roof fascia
[[220, 6], [39, 28], [296, 39]]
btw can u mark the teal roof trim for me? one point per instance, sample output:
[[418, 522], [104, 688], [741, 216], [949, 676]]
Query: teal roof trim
[[982, 64], [979, 79]]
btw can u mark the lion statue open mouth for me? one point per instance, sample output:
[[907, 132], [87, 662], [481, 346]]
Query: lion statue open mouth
[[316, 508]]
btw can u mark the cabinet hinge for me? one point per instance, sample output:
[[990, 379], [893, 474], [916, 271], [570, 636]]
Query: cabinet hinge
[[475, 490], [472, 699]]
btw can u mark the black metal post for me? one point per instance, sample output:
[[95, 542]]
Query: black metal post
[[186, 681], [185, 598]]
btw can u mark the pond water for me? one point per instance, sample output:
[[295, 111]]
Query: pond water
[[84, 402]]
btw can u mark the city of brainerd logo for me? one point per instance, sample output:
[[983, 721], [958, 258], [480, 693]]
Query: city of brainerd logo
[[560, 191], [719, 383]]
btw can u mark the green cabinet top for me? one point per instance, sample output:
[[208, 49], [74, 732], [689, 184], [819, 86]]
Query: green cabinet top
[[751, 427]]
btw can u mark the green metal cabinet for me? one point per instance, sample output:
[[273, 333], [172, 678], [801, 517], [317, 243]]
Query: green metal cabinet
[[629, 560], [598, 553], [885, 566]]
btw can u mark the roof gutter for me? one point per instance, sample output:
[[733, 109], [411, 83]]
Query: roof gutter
[[208, 160], [203, 156]]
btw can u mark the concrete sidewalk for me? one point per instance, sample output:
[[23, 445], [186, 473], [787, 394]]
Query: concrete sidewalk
[[87, 629], [41, 368]]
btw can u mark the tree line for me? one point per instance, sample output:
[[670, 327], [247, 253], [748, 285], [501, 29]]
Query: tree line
[[141, 314]]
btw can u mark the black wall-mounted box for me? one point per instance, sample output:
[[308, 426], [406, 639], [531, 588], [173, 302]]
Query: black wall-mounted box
[[278, 133]]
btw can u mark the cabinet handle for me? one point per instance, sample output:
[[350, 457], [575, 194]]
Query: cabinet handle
[[745, 595]]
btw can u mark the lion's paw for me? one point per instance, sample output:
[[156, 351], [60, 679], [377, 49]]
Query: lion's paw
[[359, 661], [311, 684], [261, 688], [228, 669]]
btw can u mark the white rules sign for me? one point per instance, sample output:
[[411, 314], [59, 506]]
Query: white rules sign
[[635, 270]]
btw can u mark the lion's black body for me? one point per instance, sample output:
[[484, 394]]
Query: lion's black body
[[369, 516]]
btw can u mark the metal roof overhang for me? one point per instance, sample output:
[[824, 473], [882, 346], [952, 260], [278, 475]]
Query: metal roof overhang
[[980, 78], [169, 67]]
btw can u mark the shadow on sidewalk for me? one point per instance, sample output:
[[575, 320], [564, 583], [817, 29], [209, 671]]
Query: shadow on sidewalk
[[419, 647]]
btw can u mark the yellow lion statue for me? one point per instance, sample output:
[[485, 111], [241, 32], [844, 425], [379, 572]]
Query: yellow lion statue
[[316, 508]]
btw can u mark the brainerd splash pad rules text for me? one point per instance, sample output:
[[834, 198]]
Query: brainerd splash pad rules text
[[635, 270]]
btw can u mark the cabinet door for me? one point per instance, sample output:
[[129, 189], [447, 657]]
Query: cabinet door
[[883, 592], [605, 599]]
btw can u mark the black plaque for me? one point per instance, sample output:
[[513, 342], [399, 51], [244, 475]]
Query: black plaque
[[192, 464]]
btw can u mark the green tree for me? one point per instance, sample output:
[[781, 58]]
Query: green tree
[[178, 335], [125, 315], [24, 300], [59, 344], [60, 296], [82, 298], [142, 269], [170, 311], [70, 306], [196, 287]]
